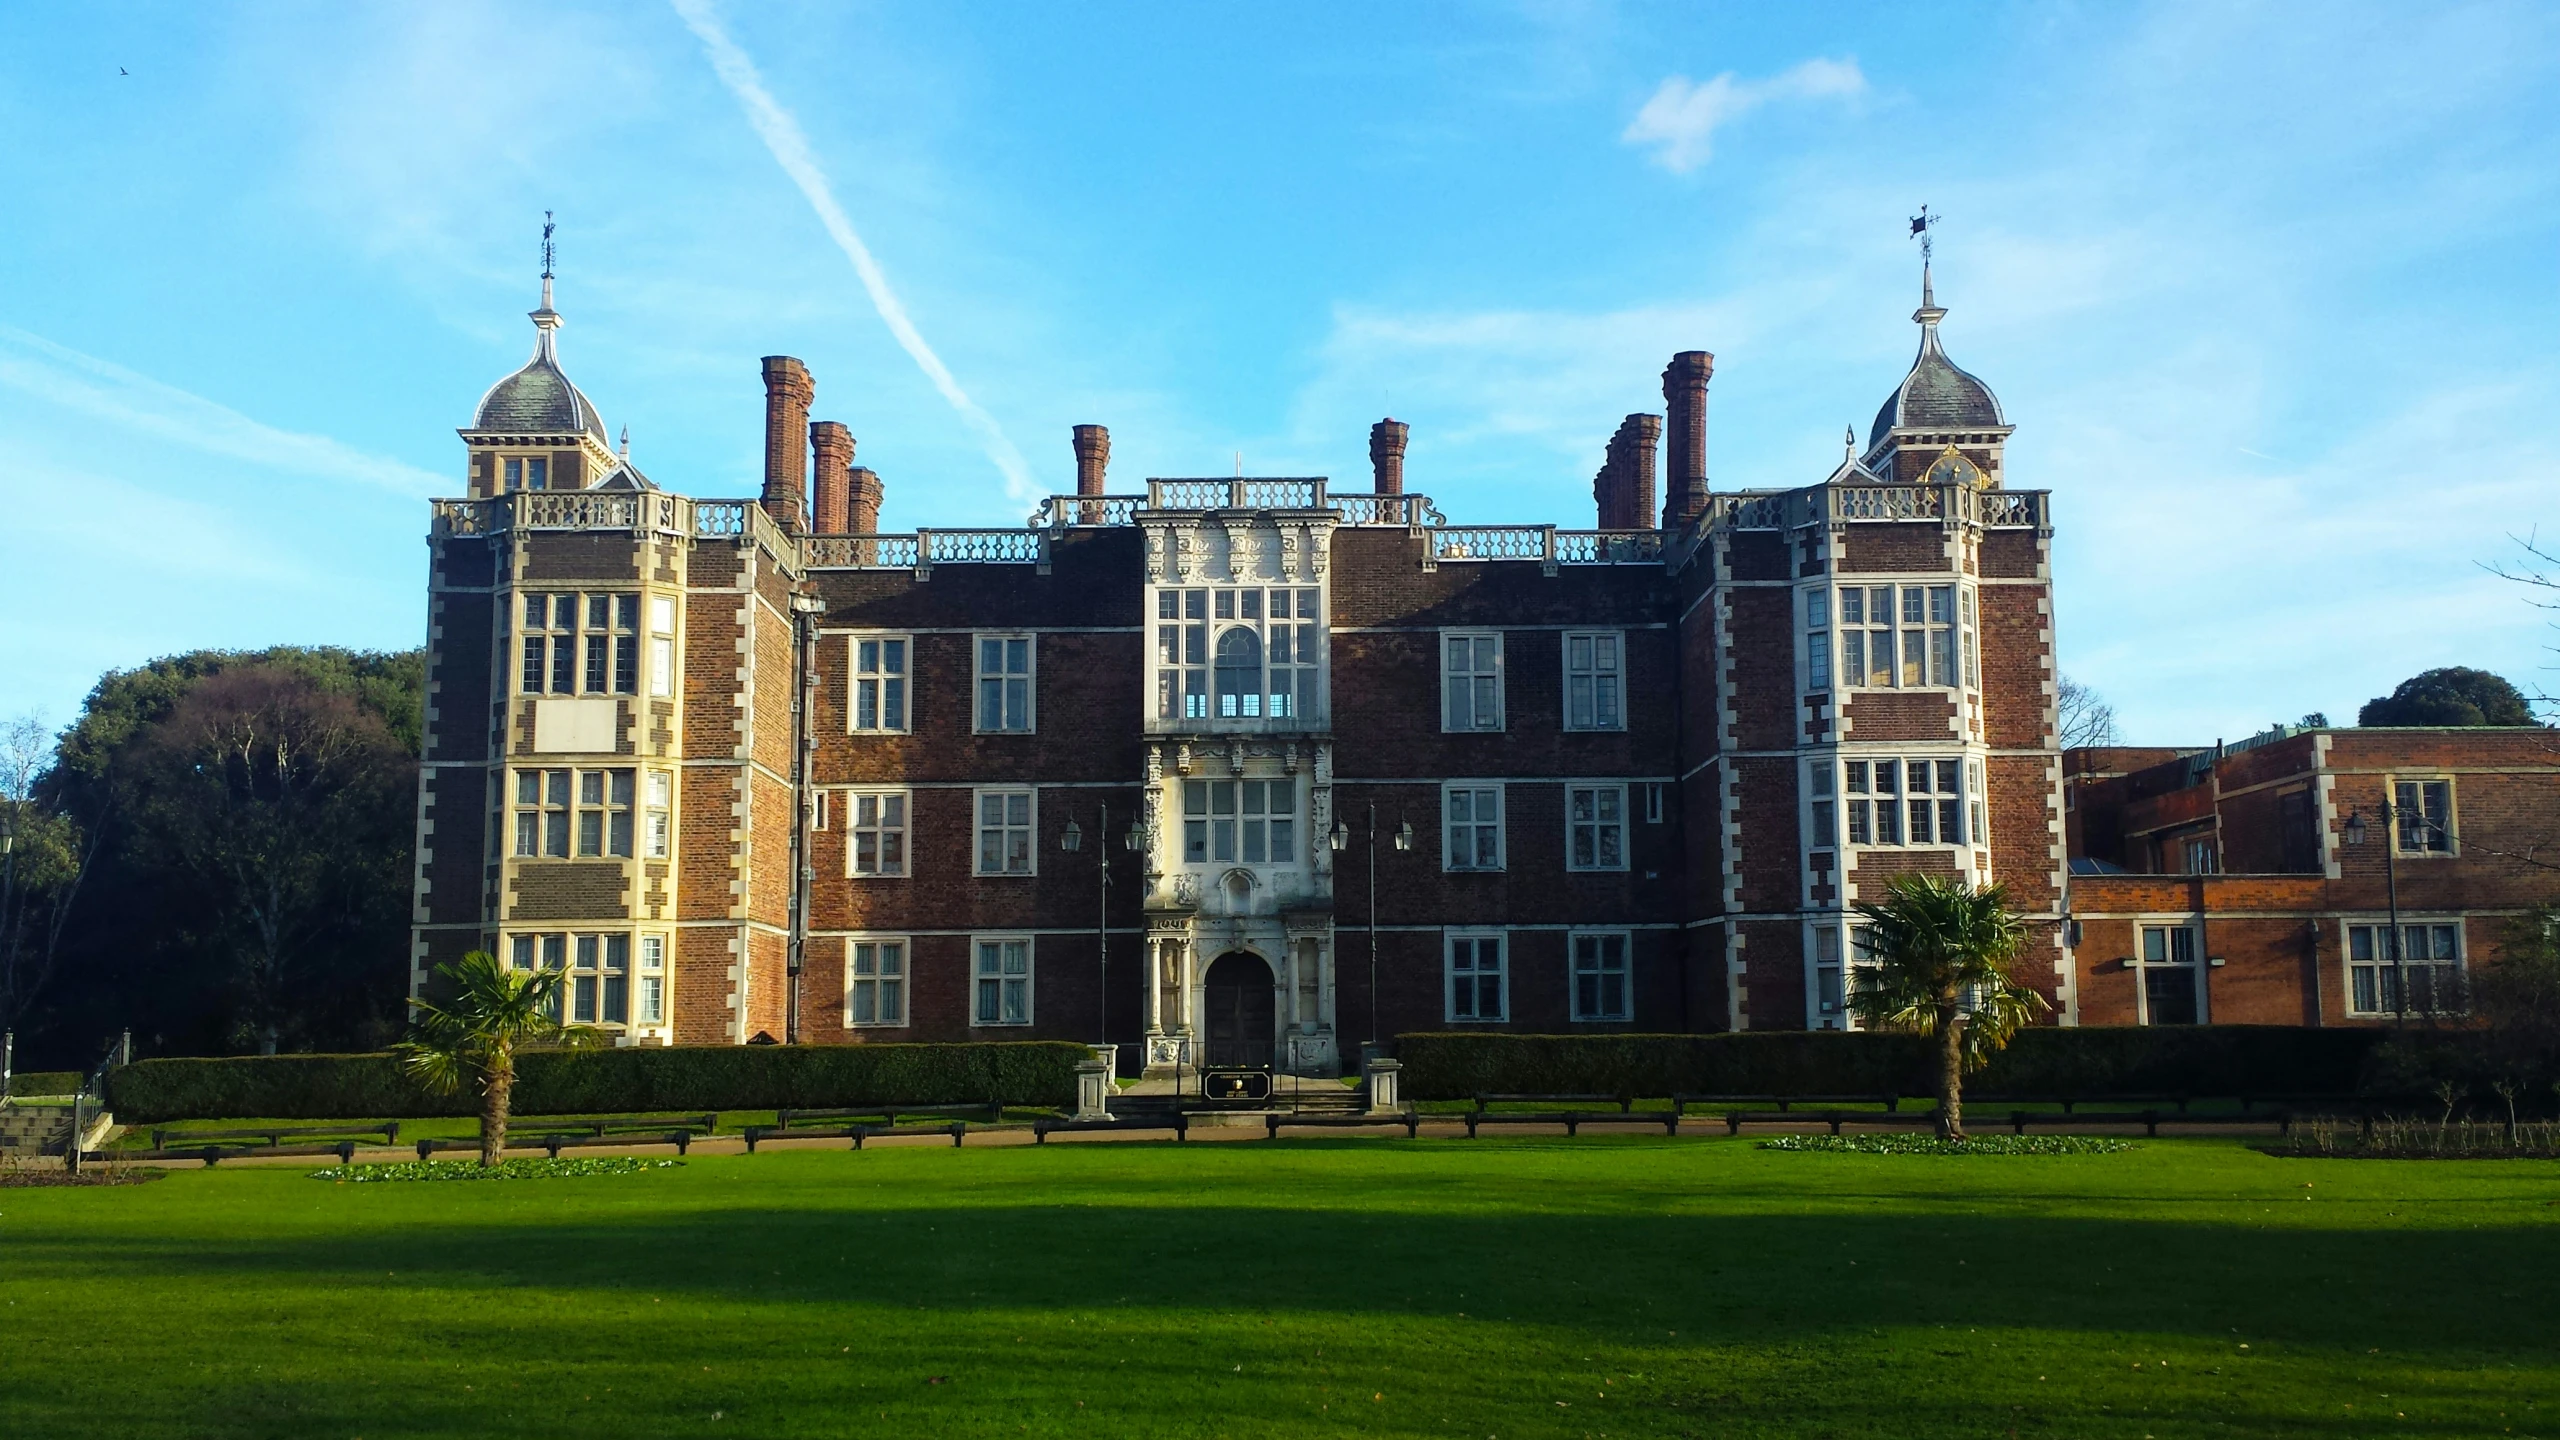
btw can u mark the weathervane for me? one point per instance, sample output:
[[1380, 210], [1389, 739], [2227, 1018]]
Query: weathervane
[[547, 228], [1921, 224]]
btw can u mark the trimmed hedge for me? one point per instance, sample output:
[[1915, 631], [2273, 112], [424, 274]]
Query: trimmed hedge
[[45, 1082], [2197, 1060], [571, 1082]]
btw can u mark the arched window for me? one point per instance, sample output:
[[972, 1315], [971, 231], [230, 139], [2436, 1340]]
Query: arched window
[[1239, 673]]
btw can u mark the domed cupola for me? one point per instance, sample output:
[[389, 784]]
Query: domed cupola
[[1938, 403], [538, 399], [534, 430]]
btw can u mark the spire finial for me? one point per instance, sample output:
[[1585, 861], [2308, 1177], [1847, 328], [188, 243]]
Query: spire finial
[[626, 442], [1848, 443], [546, 320], [1928, 315]]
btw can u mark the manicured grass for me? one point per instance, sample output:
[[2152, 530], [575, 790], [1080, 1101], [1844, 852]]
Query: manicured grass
[[1514, 1287]]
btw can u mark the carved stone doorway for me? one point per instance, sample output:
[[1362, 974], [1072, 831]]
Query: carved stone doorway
[[1242, 1018]]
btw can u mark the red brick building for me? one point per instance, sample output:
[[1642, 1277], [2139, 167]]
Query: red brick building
[[746, 767], [2255, 883]]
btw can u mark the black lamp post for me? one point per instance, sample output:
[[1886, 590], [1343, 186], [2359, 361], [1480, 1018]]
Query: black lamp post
[[1073, 840], [1404, 841], [2391, 895]]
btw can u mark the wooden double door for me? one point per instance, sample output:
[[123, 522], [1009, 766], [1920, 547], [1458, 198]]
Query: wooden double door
[[1242, 1014]]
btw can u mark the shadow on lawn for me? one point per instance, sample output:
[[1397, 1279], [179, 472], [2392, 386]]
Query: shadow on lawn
[[1751, 1278]]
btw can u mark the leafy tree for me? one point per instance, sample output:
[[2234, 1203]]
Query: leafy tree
[[1942, 953], [44, 857], [2087, 719], [2454, 695], [167, 941], [474, 1036]]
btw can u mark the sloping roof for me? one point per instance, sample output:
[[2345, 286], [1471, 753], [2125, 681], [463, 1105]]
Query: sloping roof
[[1937, 394]]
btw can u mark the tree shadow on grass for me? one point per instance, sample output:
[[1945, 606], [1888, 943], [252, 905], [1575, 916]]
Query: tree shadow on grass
[[648, 1314]]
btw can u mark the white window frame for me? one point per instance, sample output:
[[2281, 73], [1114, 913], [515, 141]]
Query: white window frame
[[1822, 805], [2379, 928], [649, 984], [1030, 978], [658, 814], [1817, 638], [904, 679], [2141, 965], [979, 677], [978, 829], [1653, 802], [1939, 637], [1626, 973], [662, 645], [1202, 825], [1501, 827], [2452, 832], [1608, 685], [1501, 706], [848, 805], [878, 978], [1873, 812], [1601, 791], [1449, 942]]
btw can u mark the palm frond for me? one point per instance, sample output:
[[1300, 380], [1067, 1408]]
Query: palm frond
[[489, 1012]]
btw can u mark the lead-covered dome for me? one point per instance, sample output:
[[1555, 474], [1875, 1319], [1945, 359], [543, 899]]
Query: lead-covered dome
[[1937, 394], [538, 399]]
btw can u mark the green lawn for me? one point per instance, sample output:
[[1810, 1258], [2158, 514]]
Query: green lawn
[[1620, 1286]]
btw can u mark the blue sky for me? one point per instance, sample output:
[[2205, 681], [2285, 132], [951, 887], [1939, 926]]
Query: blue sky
[[2268, 290]]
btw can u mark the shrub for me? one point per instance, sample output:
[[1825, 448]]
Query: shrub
[[45, 1082], [570, 1082], [2046, 1060]]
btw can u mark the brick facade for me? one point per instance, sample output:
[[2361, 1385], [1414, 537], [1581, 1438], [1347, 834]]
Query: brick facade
[[1691, 784]]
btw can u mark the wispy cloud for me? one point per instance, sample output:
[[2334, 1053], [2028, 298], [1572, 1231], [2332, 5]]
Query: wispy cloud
[[1681, 119], [790, 146], [60, 376]]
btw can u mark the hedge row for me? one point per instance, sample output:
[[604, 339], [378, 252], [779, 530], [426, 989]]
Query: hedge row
[[679, 1078], [45, 1082], [2203, 1060]]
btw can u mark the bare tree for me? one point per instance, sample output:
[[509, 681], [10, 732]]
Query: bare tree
[[2087, 719], [44, 855], [2539, 572]]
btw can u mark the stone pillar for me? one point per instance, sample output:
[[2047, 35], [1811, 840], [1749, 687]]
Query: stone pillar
[[1093, 1089], [1684, 393], [788, 391], [1380, 1077], [833, 446]]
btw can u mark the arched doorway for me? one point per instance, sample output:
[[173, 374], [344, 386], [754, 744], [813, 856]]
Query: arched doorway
[[1241, 1019]]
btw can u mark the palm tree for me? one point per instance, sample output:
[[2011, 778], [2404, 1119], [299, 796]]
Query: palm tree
[[1942, 951], [492, 1013]]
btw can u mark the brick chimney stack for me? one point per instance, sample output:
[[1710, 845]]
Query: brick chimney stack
[[1386, 454], [1624, 486], [833, 445], [862, 498], [1684, 395], [1093, 458], [788, 391]]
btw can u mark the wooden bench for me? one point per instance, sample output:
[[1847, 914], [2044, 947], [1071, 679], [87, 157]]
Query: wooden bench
[[1178, 1123], [957, 1129], [1623, 1102], [274, 1135], [1573, 1120], [558, 1140], [790, 1119], [597, 1125], [213, 1155], [1781, 1103], [1273, 1123]]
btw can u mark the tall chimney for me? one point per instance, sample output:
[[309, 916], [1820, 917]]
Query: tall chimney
[[1093, 458], [1624, 486], [833, 445], [1684, 394], [862, 497], [787, 393], [1386, 454]]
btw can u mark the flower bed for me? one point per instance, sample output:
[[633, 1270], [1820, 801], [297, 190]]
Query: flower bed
[[525, 1167], [1932, 1145]]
